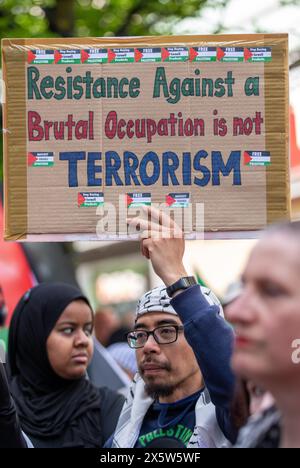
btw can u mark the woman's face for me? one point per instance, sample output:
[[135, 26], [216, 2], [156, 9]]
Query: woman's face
[[70, 344], [267, 314]]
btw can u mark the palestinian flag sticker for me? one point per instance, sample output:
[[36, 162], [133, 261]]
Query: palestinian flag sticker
[[257, 158], [175, 54], [90, 199], [178, 200], [230, 54], [91, 56], [258, 54], [66, 57], [121, 56], [40, 57], [203, 54], [39, 159], [147, 55], [136, 200]]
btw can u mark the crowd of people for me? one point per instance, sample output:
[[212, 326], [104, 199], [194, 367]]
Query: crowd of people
[[206, 377]]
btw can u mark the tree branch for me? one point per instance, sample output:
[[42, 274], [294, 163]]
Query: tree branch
[[61, 17]]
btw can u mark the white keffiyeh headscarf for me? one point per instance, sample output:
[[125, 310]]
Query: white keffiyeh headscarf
[[157, 300]]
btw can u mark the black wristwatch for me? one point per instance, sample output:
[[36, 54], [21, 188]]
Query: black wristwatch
[[183, 283]]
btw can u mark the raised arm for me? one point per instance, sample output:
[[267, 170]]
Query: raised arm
[[209, 335]]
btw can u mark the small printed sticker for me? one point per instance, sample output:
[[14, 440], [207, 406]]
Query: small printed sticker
[[178, 200], [257, 158], [66, 57], [40, 57], [91, 56], [258, 54], [175, 54], [203, 54], [90, 199], [38, 159], [230, 54], [121, 56], [135, 200], [147, 55]]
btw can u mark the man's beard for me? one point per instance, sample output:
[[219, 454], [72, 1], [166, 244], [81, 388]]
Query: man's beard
[[159, 389], [156, 390]]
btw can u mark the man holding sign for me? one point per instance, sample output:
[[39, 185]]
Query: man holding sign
[[181, 396]]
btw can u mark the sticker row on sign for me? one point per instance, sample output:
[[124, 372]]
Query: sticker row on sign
[[150, 55], [133, 200]]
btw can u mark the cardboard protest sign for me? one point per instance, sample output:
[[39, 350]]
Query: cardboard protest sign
[[128, 122]]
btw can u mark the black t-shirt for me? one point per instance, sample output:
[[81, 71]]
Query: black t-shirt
[[168, 425]]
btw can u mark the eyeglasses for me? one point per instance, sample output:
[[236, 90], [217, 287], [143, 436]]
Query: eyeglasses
[[165, 334]]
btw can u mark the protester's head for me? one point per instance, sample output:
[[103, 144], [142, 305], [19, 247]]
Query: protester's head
[[70, 343], [165, 360], [106, 323], [50, 339], [266, 316]]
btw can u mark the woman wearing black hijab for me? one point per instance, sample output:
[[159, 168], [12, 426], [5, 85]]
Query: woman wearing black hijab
[[50, 347]]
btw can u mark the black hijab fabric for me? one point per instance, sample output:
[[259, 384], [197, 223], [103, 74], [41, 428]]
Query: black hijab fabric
[[49, 406]]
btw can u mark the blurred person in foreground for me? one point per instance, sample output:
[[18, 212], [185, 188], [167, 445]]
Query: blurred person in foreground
[[258, 398], [182, 393], [50, 347], [266, 317], [250, 401]]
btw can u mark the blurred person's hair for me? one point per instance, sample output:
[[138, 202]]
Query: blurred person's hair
[[240, 405], [119, 336]]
